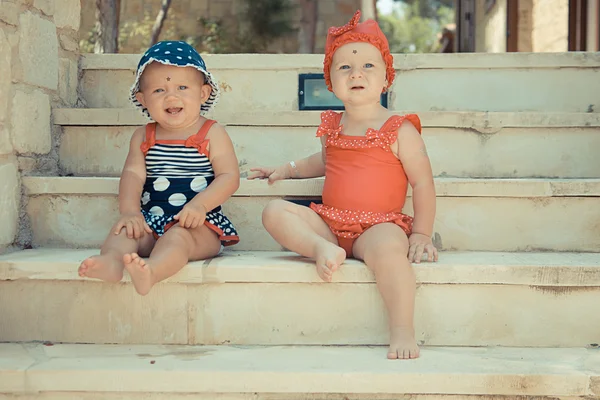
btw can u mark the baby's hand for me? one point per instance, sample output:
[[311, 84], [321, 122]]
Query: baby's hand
[[134, 224], [419, 244], [191, 215], [274, 174]]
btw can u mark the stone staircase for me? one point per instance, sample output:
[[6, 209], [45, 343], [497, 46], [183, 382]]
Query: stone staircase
[[509, 312]]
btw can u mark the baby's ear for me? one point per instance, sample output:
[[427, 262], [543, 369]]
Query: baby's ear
[[140, 97], [205, 92]]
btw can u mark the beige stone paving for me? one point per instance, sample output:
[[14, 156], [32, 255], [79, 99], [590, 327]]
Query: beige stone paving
[[500, 371], [62, 210], [468, 298], [569, 152]]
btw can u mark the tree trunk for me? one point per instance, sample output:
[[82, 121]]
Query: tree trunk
[[107, 26], [308, 26], [375, 8], [160, 20]]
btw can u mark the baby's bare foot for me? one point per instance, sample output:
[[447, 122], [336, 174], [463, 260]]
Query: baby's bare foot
[[140, 272], [402, 343], [328, 258], [103, 267]]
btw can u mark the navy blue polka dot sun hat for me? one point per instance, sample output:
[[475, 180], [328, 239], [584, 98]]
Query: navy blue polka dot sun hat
[[179, 54]]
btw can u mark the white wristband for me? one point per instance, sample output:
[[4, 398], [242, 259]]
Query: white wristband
[[294, 169]]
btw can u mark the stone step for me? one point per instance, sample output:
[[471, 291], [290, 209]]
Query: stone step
[[276, 298], [293, 373], [564, 82], [472, 214], [488, 145]]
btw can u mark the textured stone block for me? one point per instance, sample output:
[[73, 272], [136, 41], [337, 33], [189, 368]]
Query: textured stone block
[[5, 144], [5, 76], [46, 6], [38, 51], [27, 164], [31, 122], [10, 194], [9, 12], [5, 84], [67, 83], [67, 14], [68, 43]]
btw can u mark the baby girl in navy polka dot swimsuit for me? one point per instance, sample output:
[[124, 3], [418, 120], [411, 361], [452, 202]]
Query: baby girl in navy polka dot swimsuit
[[178, 172]]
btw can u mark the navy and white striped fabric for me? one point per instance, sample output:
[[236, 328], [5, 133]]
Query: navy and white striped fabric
[[172, 161], [179, 54], [175, 174]]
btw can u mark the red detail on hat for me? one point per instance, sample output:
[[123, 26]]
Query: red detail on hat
[[353, 32]]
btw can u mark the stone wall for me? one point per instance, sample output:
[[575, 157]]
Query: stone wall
[[525, 22], [593, 21], [490, 27], [550, 31], [183, 20], [38, 59], [543, 26]]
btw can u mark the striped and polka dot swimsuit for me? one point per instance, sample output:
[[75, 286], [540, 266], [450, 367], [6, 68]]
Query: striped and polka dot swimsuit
[[176, 171]]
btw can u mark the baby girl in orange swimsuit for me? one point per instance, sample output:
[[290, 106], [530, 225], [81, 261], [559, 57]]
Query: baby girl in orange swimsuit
[[369, 156]]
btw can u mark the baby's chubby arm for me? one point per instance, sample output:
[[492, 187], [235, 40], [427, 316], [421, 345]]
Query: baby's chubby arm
[[312, 166], [412, 153], [227, 179], [131, 185]]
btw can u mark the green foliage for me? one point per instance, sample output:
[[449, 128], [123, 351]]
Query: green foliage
[[260, 23], [86, 44], [140, 32], [212, 38], [408, 31], [429, 8], [270, 18]]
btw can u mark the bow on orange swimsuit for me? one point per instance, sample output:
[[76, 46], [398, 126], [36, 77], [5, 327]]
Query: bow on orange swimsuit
[[365, 183]]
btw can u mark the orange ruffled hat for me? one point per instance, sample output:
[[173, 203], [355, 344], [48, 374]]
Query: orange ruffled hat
[[355, 31]]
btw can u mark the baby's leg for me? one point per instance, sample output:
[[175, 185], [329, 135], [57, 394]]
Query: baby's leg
[[171, 253], [108, 266], [384, 249], [302, 230]]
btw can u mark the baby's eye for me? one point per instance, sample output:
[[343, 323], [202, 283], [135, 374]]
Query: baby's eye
[[345, 67], [182, 87], [369, 65], [158, 91]]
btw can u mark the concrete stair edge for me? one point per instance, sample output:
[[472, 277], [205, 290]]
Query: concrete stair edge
[[485, 122], [550, 269], [314, 62], [445, 187]]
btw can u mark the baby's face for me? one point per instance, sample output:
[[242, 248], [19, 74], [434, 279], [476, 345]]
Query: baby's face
[[358, 73], [173, 95]]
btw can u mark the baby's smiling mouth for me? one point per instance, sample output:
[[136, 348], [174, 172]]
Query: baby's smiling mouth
[[173, 110], [358, 87]]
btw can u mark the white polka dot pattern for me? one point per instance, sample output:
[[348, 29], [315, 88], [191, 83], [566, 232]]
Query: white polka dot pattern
[[373, 138], [156, 210], [145, 198], [198, 184], [177, 199], [351, 224], [161, 184]]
